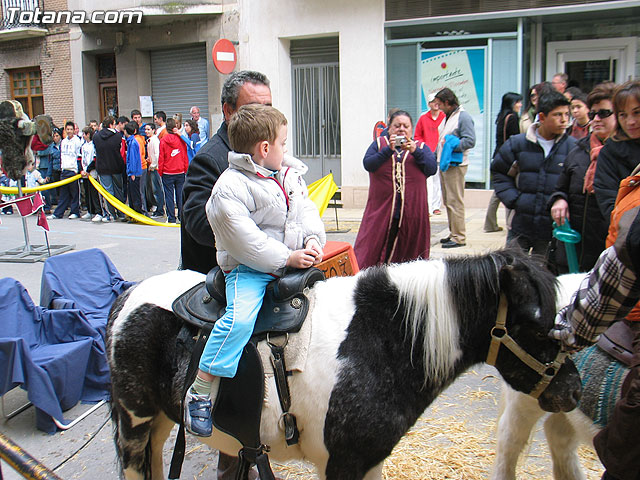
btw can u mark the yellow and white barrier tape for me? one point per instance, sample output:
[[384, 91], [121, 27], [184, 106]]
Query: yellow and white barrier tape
[[107, 196], [46, 186], [126, 209], [320, 192]]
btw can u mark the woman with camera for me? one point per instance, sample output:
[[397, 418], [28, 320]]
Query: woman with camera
[[395, 225]]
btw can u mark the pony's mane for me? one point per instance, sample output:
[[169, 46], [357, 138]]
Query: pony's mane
[[434, 323], [455, 286]]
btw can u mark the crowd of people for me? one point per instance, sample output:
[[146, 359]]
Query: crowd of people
[[141, 164]]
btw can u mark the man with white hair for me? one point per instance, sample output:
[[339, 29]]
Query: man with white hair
[[203, 125]]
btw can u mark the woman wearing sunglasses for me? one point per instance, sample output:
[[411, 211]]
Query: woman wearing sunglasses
[[574, 198], [622, 153]]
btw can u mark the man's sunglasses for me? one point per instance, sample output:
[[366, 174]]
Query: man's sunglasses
[[601, 113]]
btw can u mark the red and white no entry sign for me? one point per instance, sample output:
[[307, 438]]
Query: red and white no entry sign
[[224, 56]]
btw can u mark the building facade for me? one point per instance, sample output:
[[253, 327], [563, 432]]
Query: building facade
[[35, 60], [484, 49]]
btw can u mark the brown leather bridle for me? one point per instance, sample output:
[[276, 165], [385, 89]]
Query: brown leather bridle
[[500, 336]]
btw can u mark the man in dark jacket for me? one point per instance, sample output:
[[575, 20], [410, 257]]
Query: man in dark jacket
[[526, 169], [109, 163], [197, 242], [196, 237]]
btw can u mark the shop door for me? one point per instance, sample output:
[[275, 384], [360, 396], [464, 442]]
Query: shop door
[[107, 85], [589, 62], [316, 106], [108, 100], [317, 119]]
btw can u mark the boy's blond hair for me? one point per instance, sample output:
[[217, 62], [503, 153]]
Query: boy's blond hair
[[252, 124]]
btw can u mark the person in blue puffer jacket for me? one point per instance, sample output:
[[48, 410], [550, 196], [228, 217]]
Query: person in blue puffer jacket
[[526, 169]]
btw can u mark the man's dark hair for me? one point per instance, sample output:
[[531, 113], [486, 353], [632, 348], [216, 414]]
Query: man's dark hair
[[446, 95], [89, 131], [171, 124], [135, 112], [69, 122], [152, 125], [122, 120], [130, 128], [573, 91], [161, 114], [581, 96], [108, 121], [236, 80], [551, 99]]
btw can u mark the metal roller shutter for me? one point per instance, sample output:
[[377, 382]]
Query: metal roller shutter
[[179, 80]]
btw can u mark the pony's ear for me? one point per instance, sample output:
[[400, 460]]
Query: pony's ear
[[509, 277]]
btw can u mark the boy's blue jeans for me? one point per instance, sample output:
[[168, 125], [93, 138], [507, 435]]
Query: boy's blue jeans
[[245, 288]]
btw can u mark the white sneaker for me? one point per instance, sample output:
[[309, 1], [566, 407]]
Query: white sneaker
[[106, 219], [52, 217], [86, 216], [97, 218], [73, 216]]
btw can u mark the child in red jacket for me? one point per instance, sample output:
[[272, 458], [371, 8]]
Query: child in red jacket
[[173, 163]]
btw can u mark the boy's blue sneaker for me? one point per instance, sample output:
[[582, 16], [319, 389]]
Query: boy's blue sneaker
[[197, 414]]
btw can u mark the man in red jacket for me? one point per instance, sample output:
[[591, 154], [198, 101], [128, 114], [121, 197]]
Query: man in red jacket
[[428, 131], [172, 167]]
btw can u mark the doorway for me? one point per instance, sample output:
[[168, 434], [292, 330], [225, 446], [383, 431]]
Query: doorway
[[107, 85], [589, 62], [316, 106]]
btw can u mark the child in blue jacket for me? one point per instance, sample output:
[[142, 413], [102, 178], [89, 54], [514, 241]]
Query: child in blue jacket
[[134, 167]]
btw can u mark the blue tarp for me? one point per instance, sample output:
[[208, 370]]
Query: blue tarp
[[58, 355], [87, 280]]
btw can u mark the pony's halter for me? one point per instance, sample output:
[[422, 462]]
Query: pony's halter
[[500, 336]]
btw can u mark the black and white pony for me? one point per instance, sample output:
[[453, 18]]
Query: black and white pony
[[383, 345], [602, 378]]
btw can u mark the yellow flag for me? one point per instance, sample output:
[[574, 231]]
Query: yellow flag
[[321, 191]]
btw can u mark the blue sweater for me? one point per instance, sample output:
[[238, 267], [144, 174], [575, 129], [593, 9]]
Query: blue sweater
[[134, 163], [192, 144], [449, 156]]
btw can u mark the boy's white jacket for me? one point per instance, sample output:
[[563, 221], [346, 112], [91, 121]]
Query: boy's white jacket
[[248, 213]]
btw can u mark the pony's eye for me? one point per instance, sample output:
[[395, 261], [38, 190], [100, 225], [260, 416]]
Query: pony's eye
[[541, 336]]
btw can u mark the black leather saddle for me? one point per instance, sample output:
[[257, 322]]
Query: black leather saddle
[[284, 308], [238, 407]]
